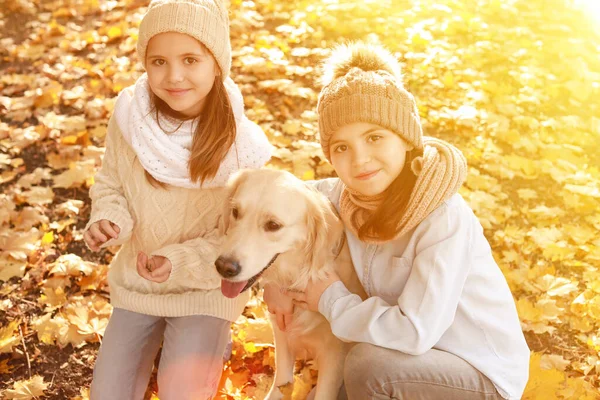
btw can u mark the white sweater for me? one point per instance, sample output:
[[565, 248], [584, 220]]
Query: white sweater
[[439, 287], [179, 222]]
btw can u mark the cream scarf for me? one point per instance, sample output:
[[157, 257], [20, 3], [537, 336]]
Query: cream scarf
[[440, 172], [165, 153]]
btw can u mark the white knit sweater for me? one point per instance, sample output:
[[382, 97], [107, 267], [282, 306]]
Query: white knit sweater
[[178, 223]]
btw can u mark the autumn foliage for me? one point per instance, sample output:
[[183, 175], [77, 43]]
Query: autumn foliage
[[514, 84]]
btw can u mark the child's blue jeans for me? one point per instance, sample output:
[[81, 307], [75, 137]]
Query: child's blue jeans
[[191, 361]]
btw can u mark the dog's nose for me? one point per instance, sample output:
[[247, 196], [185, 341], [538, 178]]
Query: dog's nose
[[227, 267]]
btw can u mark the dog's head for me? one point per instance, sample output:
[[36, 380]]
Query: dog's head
[[270, 213]]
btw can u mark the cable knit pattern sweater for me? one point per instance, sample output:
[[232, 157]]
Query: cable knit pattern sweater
[[179, 223]]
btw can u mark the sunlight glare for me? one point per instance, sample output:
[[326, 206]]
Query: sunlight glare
[[591, 7]]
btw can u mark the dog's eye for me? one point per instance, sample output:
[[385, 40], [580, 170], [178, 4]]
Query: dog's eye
[[235, 213], [272, 226]]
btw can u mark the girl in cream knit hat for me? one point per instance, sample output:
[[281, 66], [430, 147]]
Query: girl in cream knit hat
[[440, 322], [175, 138]]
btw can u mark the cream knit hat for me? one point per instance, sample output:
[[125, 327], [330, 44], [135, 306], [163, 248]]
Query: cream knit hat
[[205, 20], [363, 83]]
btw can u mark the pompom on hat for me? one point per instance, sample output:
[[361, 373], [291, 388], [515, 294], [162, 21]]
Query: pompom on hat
[[205, 20], [363, 83]]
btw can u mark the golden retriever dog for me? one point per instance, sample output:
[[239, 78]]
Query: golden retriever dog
[[286, 232]]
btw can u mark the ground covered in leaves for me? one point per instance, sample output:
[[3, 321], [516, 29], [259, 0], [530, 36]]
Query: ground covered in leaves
[[514, 84]]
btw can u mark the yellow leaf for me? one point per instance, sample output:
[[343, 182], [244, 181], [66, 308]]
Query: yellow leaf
[[554, 286], [259, 331], [95, 280], [578, 306], [547, 213], [10, 268], [52, 298], [578, 388], [545, 237], [114, 31], [308, 175], [594, 342], [527, 194], [589, 363], [250, 347], [448, 79], [18, 246], [98, 132], [60, 226], [70, 264], [594, 307], [68, 124], [84, 394], [550, 311], [48, 238], [594, 285], [7, 336], [528, 311], [38, 196], [583, 325], [69, 140], [584, 190], [292, 127], [28, 218], [76, 175], [553, 361], [49, 95], [287, 390], [543, 384], [580, 233], [27, 389], [302, 384], [45, 328]]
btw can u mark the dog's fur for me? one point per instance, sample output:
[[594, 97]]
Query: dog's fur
[[308, 244]]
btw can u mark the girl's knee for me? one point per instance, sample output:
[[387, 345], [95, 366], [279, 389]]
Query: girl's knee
[[191, 377], [358, 361]]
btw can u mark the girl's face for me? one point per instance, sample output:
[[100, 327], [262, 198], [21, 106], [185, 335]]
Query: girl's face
[[181, 71], [367, 157]]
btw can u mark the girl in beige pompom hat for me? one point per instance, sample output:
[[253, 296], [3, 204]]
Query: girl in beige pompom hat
[[175, 138], [440, 322]]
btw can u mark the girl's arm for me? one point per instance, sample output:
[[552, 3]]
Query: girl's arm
[[428, 303], [108, 200], [194, 260]]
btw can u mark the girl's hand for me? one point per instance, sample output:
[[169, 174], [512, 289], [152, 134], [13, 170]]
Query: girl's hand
[[309, 298], [156, 269], [99, 233], [279, 304]]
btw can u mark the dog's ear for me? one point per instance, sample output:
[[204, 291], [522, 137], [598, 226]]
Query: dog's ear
[[325, 230], [233, 184]]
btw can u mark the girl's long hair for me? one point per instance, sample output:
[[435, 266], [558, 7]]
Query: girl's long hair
[[213, 136], [383, 223]]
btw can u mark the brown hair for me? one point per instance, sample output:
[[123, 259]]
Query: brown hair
[[383, 223], [213, 137]]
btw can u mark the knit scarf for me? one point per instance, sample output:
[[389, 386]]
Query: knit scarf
[[440, 172], [164, 149]]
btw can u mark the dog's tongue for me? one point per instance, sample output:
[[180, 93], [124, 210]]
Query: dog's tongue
[[232, 289]]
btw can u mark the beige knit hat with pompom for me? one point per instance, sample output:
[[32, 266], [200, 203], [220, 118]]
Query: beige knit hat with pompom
[[363, 83], [204, 20]]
